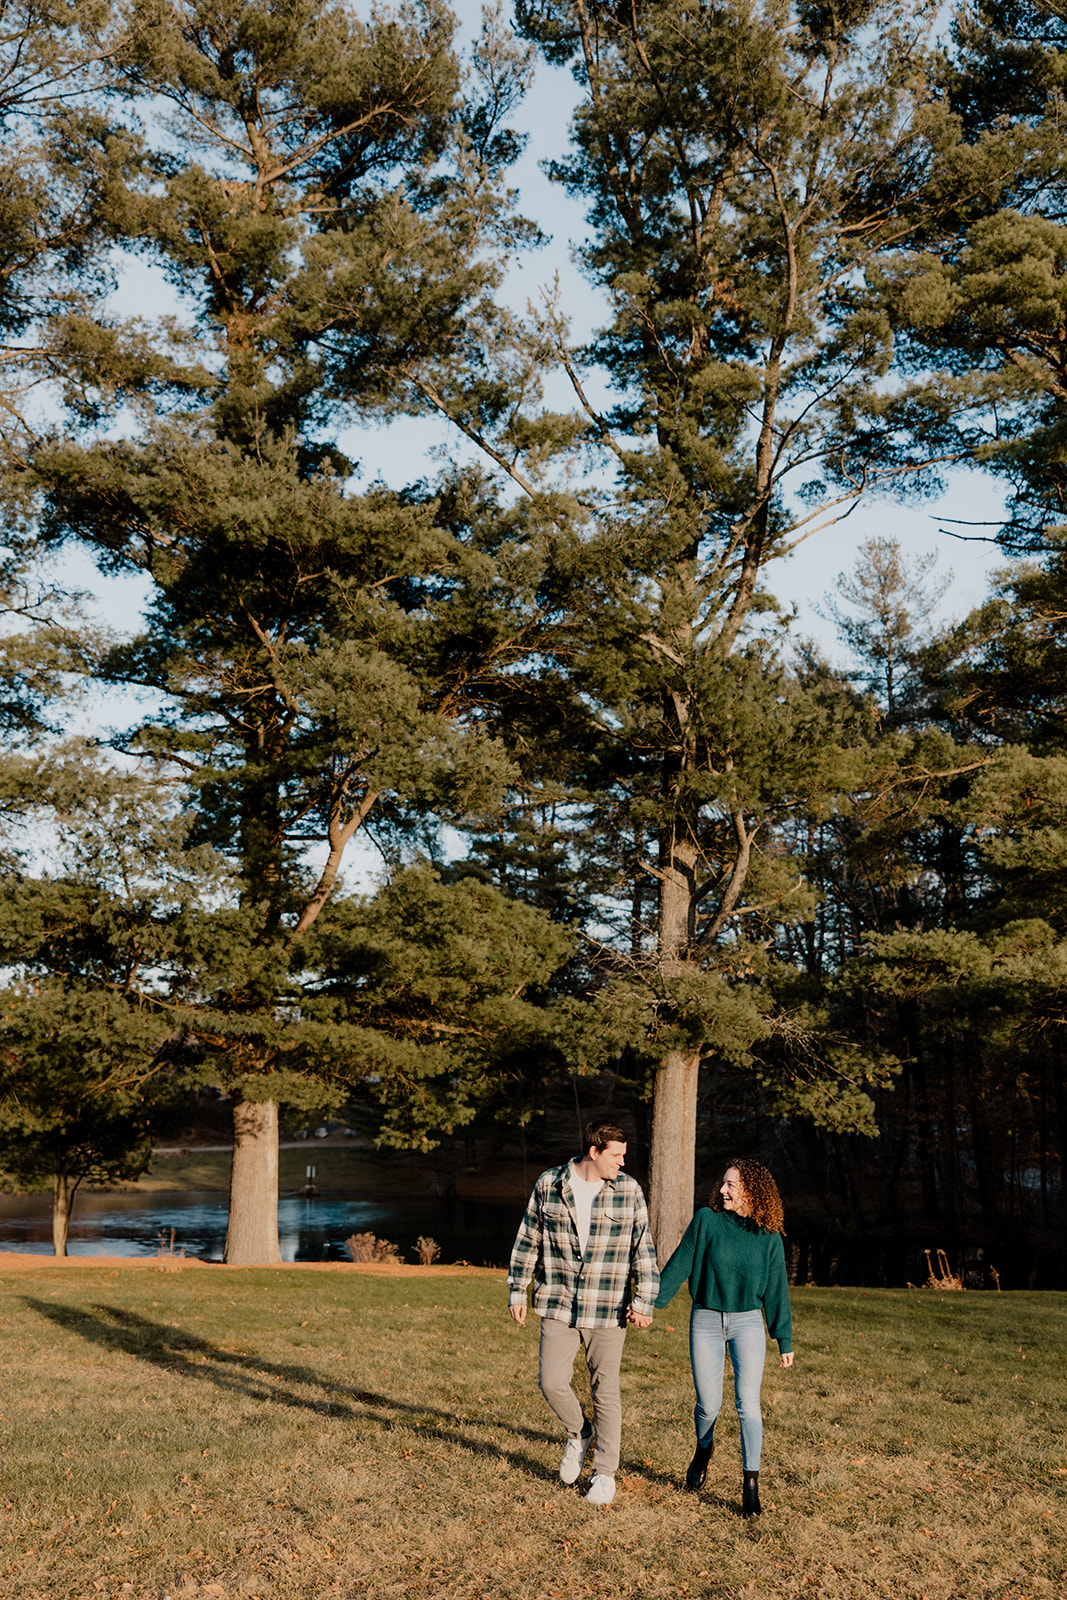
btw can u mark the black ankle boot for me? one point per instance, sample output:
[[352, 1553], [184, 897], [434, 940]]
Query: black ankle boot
[[750, 1506], [697, 1469]]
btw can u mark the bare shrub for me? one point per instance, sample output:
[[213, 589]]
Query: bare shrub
[[944, 1277], [365, 1247], [360, 1247], [427, 1250]]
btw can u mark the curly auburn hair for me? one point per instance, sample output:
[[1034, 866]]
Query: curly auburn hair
[[761, 1192]]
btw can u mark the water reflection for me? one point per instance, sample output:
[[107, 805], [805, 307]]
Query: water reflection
[[308, 1229]]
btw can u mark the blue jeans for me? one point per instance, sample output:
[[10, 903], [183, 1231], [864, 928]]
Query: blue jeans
[[710, 1333]]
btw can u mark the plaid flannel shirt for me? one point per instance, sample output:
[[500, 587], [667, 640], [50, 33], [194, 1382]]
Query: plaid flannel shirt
[[591, 1291]]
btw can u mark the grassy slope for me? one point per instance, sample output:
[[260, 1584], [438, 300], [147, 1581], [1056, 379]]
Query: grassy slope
[[338, 1169], [297, 1433]]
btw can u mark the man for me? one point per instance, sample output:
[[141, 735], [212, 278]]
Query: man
[[584, 1236]]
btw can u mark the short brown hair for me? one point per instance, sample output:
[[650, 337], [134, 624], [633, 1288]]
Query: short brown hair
[[598, 1135], [761, 1192]]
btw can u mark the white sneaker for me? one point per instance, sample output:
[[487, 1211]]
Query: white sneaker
[[570, 1468], [601, 1490]]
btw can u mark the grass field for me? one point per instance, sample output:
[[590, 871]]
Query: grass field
[[339, 1169], [207, 1431]]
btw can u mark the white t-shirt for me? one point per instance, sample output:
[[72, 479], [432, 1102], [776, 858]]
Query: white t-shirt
[[584, 1193]]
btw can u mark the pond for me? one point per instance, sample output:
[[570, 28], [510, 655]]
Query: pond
[[309, 1229]]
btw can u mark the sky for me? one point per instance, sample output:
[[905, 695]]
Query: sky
[[805, 578], [404, 450], [398, 452]]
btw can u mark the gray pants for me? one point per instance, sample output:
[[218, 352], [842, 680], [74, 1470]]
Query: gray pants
[[603, 1356]]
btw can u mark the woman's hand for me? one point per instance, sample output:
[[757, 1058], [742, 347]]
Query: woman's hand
[[786, 1358]]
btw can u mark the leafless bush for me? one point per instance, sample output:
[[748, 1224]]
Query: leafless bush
[[360, 1247], [168, 1259], [365, 1247], [944, 1277], [427, 1250]]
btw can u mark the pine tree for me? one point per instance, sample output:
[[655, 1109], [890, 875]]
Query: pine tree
[[938, 942], [309, 185], [54, 254], [980, 305], [75, 1063], [53, 263], [434, 987], [981, 302], [101, 918], [890, 606], [744, 170]]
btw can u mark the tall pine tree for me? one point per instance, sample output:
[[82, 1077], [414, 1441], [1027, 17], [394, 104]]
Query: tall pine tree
[[745, 169], [306, 182]]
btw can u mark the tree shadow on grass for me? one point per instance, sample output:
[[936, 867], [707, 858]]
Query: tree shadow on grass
[[245, 1375]]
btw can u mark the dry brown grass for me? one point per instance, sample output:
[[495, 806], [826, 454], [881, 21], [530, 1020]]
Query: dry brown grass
[[360, 1432]]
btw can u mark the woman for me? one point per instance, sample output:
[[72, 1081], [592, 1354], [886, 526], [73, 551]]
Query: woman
[[733, 1256]]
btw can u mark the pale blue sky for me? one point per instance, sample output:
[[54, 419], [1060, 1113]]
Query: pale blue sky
[[805, 577], [401, 451]]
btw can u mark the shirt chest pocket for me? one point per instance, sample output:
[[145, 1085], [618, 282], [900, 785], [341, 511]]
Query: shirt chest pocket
[[613, 1215], [556, 1218]]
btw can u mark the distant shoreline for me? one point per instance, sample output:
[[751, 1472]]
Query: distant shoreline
[[24, 1261], [343, 1166]]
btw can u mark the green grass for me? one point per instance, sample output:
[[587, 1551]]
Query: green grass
[[298, 1432], [338, 1169]]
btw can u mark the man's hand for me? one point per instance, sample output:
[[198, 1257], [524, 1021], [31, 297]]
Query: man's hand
[[518, 1313], [786, 1359], [638, 1318]]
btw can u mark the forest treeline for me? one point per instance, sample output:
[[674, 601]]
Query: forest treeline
[[639, 842]]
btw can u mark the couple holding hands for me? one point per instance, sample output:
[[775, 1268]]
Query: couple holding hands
[[585, 1236]]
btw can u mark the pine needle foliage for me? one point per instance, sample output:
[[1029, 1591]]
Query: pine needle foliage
[[315, 192]]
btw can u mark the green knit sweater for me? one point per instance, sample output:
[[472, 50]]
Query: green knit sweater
[[732, 1265]]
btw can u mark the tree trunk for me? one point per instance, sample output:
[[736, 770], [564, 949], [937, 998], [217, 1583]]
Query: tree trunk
[[252, 1232], [1059, 1092], [62, 1200], [672, 1158], [672, 1163]]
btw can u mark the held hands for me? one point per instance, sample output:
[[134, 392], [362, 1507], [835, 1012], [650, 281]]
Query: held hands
[[517, 1313]]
